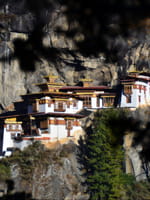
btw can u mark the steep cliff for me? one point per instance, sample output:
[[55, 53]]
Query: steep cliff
[[36, 40], [40, 173]]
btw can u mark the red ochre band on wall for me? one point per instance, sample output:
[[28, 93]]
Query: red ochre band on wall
[[62, 122], [139, 87], [36, 138]]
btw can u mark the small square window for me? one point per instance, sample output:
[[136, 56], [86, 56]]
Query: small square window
[[128, 99], [139, 99]]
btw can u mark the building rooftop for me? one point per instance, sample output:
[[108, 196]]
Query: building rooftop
[[38, 114], [102, 87]]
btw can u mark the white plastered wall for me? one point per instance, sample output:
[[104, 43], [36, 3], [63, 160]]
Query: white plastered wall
[[93, 102], [136, 93], [60, 131], [7, 141], [72, 109]]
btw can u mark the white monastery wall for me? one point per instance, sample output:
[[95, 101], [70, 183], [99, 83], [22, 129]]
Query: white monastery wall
[[80, 105], [100, 102], [72, 109], [94, 102], [139, 97], [133, 102], [9, 135], [7, 140], [59, 131]]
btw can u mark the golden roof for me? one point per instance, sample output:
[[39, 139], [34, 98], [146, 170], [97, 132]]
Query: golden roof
[[61, 99], [80, 93], [51, 76], [86, 80], [47, 92], [134, 71], [12, 121], [51, 84]]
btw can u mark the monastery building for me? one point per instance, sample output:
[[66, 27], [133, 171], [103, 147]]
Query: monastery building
[[135, 90], [54, 113]]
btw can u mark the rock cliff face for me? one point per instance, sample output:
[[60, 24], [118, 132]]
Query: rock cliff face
[[136, 145], [31, 46], [46, 174], [34, 43]]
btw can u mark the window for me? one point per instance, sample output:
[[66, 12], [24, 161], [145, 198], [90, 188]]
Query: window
[[108, 101], [140, 88], [128, 99], [139, 99], [69, 126], [49, 103], [128, 89], [35, 106], [7, 127], [144, 90], [56, 121], [98, 102], [13, 135], [87, 101], [68, 104], [59, 106], [10, 127], [17, 126], [74, 104], [44, 124]]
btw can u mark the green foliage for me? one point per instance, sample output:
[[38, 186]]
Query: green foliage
[[4, 170], [36, 158], [137, 191], [103, 157], [33, 156]]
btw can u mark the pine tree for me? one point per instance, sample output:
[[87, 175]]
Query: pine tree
[[104, 157]]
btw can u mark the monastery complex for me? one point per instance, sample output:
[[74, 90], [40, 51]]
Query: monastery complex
[[55, 113]]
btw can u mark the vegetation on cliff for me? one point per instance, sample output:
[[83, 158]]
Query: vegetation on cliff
[[38, 172], [41, 173], [103, 159], [4, 170]]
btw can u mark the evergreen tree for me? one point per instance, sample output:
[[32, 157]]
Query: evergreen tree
[[103, 156]]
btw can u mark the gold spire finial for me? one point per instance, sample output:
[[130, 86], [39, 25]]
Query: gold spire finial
[[51, 78]]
